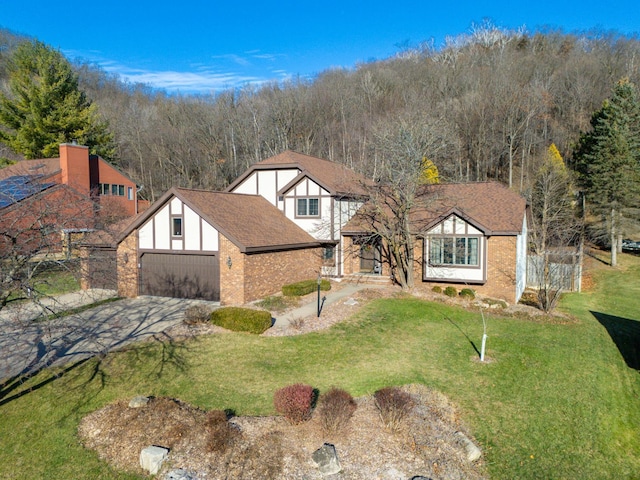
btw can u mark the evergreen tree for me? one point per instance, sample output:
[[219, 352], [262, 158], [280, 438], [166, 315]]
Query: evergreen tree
[[45, 107], [608, 159]]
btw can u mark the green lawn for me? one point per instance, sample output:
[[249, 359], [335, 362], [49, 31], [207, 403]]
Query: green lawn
[[558, 399]]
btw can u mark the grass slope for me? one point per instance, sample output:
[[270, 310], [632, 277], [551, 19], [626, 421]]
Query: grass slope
[[558, 400]]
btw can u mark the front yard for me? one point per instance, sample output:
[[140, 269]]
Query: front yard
[[558, 399]]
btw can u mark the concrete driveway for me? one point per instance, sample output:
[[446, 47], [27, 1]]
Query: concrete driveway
[[27, 346]]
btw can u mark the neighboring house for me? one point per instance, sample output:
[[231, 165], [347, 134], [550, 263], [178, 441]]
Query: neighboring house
[[50, 204], [213, 245], [87, 174], [318, 195], [472, 234]]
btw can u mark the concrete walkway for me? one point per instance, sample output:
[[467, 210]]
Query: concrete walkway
[[311, 309]]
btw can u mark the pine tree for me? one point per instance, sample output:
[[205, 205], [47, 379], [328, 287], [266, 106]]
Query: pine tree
[[608, 158], [45, 107]]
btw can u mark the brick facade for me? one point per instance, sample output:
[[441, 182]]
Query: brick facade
[[232, 279], [266, 273], [127, 266]]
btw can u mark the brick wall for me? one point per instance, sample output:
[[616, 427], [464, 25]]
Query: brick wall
[[127, 266], [232, 280], [266, 273], [501, 268]]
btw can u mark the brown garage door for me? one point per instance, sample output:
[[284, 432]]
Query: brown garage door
[[180, 276]]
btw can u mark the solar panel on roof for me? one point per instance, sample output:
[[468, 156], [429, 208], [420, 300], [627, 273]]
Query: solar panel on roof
[[18, 187]]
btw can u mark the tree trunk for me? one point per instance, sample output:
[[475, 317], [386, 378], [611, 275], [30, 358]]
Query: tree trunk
[[614, 239]]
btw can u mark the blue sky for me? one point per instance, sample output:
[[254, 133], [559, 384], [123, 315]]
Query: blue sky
[[206, 46]]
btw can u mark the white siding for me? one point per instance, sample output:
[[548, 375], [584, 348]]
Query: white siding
[[176, 206], [209, 237], [145, 235], [267, 186], [521, 260], [249, 186], [162, 229], [191, 230]]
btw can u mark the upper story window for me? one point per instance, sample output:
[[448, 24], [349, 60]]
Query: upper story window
[[307, 207], [176, 226], [111, 189], [454, 250]]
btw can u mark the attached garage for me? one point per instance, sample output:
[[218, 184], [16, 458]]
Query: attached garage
[[217, 246], [180, 275]]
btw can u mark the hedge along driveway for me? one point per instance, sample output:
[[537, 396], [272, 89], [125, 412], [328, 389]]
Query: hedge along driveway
[[28, 346]]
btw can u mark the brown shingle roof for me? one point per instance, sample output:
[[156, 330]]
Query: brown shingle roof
[[249, 221], [43, 167], [490, 206], [334, 177]]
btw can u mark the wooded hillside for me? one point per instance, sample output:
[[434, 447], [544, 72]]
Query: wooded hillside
[[485, 106]]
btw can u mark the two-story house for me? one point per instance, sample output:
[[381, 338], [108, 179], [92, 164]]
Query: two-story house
[[318, 195]]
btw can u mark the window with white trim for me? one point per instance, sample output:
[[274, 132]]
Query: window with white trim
[[307, 207], [176, 226], [454, 250]]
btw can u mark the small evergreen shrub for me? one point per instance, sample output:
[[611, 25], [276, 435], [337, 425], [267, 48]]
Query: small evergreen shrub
[[197, 314], [450, 291], [294, 402], [305, 287], [242, 319], [220, 434], [335, 409], [467, 293], [437, 289], [393, 405]]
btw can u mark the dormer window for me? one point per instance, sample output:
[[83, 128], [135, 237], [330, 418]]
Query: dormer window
[[176, 226], [307, 207]]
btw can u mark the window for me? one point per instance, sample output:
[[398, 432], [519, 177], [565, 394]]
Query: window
[[121, 190], [114, 189], [130, 193], [176, 226], [307, 207], [103, 189], [328, 256], [453, 251]]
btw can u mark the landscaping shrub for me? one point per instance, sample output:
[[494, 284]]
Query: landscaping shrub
[[305, 287], [197, 314], [436, 289], [277, 303], [450, 291], [467, 293], [335, 409], [242, 319], [220, 434], [393, 405], [294, 402]]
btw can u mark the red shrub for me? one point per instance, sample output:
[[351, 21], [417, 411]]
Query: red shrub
[[335, 410], [393, 405], [294, 402]]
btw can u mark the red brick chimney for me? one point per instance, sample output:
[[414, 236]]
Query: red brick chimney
[[74, 163]]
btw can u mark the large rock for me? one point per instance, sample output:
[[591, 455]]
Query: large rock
[[180, 474], [326, 459], [139, 401], [472, 450], [151, 458]]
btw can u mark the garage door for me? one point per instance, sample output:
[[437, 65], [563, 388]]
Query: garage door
[[180, 276]]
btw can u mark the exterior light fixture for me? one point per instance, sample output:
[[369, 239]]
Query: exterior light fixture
[[229, 262]]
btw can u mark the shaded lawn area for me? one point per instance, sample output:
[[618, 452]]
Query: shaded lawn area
[[558, 399]]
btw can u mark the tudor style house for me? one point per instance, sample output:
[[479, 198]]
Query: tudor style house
[[293, 216], [318, 195]]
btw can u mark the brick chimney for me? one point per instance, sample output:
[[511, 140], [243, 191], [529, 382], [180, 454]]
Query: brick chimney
[[74, 163]]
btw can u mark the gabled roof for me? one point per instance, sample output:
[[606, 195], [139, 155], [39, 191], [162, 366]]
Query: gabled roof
[[337, 179], [249, 221], [489, 206]]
